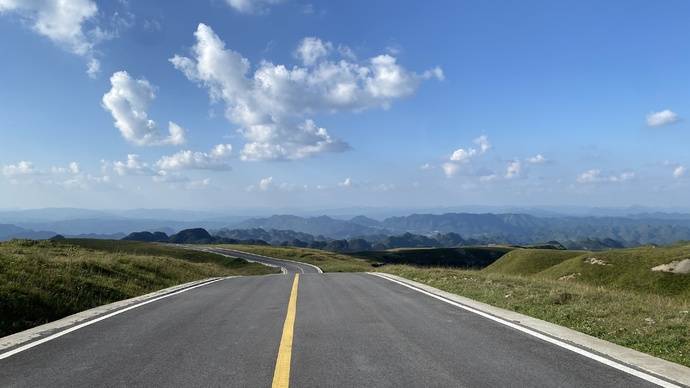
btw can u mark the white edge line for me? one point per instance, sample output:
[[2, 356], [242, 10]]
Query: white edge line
[[319, 270], [91, 322], [283, 270], [543, 337]]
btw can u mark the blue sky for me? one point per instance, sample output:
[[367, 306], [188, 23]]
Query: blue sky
[[332, 104]]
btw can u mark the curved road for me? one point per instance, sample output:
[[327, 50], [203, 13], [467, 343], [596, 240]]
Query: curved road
[[349, 330]]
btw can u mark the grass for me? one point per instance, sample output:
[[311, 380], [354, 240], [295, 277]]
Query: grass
[[47, 280], [529, 261], [327, 261], [467, 257], [651, 323], [621, 269]]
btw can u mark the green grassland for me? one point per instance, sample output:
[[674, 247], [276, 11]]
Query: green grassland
[[529, 261], [468, 257], [327, 261], [47, 280], [622, 269]]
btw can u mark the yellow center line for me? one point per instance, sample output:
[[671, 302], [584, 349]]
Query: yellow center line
[[281, 376]]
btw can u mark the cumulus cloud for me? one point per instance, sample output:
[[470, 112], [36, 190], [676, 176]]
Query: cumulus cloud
[[450, 169], [514, 169], [72, 168], [69, 24], [661, 118], [265, 183], [273, 106], [537, 159], [69, 177], [312, 49], [251, 6], [132, 166], [216, 159], [679, 171], [346, 183], [128, 101], [464, 155], [596, 176], [21, 168]]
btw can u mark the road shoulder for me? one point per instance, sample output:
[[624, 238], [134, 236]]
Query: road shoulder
[[631, 358]]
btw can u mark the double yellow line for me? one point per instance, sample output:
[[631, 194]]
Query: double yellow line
[[281, 375]]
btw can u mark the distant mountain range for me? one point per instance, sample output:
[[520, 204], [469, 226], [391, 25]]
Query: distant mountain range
[[514, 228], [508, 228]]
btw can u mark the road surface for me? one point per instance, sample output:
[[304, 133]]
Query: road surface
[[348, 330]]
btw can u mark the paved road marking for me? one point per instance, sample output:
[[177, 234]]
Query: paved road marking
[[534, 333], [281, 376], [91, 322]]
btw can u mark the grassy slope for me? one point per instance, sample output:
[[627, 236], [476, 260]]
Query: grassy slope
[[628, 269], [529, 261], [470, 257], [44, 281], [327, 261]]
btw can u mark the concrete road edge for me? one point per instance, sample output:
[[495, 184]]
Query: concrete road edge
[[668, 370]]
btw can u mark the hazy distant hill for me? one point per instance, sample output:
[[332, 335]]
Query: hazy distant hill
[[507, 228], [322, 225], [8, 232]]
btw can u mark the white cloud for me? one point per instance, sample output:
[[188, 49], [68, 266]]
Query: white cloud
[[312, 49], [265, 183], [465, 155], [661, 118], [21, 168], [216, 159], [66, 23], [251, 6], [450, 169], [537, 159], [84, 181], [127, 101], [72, 168], [462, 155], [69, 177], [596, 176], [488, 178], [679, 171], [426, 166], [132, 166], [273, 107], [514, 169], [483, 143], [346, 183]]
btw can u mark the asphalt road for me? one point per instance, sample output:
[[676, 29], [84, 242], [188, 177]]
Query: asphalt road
[[289, 266], [350, 330]]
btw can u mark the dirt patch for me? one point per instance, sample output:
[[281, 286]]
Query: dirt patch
[[676, 266], [572, 276], [595, 261]]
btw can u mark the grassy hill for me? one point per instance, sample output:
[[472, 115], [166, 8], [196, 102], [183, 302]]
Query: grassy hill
[[41, 281], [625, 269], [529, 261], [470, 257]]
